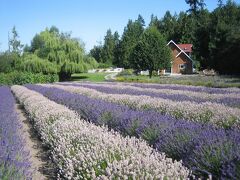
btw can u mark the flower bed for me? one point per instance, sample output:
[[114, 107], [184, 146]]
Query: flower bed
[[82, 150], [189, 88], [231, 99], [202, 147], [207, 112], [14, 158]]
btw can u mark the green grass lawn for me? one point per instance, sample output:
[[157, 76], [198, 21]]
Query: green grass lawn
[[93, 77], [195, 80]]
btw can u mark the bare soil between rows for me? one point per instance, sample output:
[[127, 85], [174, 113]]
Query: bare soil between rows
[[41, 164]]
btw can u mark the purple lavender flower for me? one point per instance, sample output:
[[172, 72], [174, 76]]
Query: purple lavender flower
[[229, 101], [188, 88], [14, 159], [202, 147]]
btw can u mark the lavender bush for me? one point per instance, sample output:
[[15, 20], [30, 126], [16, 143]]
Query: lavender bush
[[216, 114], [180, 139], [14, 158], [189, 88], [231, 99], [85, 151]]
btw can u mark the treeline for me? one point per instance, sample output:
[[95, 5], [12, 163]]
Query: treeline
[[215, 37], [50, 53]]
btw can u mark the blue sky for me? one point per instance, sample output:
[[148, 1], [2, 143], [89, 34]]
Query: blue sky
[[86, 19]]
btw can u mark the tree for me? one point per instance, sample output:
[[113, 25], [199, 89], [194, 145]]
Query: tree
[[201, 39], [224, 39], [168, 26], [195, 5], [108, 48], [151, 52], [185, 28], [10, 58], [7, 61], [220, 3], [96, 52], [34, 64], [116, 50], [130, 37], [154, 21], [15, 45], [60, 49]]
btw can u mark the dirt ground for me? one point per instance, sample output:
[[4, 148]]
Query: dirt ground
[[42, 166]]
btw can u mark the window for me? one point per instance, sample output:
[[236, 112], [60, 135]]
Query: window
[[182, 66]]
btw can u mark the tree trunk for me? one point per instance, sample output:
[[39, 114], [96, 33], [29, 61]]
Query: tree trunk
[[150, 74], [63, 76]]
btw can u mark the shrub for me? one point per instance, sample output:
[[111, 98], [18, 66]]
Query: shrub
[[126, 72], [103, 65], [26, 78]]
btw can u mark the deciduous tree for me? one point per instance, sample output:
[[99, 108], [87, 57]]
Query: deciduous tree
[[151, 52]]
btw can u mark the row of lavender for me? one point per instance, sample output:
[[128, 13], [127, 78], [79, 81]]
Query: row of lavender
[[82, 150], [231, 99], [202, 147], [14, 159], [208, 90], [216, 114]]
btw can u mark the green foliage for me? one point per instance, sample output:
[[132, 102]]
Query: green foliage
[[167, 26], [91, 62], [68, 68], [65, 55], [108, 52], [195, 5], [151, 52], [103, 65], [130, 37], [93, 77], [8, 61], [108, 48], [15, 45], [71, 67], [34, 64], [96, 52], [20, 78], [126, 72], [224, 41], [56, 47]]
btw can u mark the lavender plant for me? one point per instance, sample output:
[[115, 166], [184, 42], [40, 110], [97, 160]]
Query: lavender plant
[[189, 88], [216, 114], [180, 139], [85, 151], [231, 99], [14, 158]]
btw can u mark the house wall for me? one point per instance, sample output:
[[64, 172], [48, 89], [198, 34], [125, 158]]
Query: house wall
[[181, 59]]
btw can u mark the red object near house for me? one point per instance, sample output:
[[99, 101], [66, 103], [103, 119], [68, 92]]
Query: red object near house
[[182, 62]]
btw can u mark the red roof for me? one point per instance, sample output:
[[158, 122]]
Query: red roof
[[186, 47]]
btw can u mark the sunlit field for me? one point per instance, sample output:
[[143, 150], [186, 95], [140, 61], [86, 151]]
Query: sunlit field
[[147, 130]]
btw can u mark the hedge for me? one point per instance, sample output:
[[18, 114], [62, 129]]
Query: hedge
[[26, 78]]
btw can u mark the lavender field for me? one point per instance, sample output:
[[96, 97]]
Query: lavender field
[[14, 158], [126, 131]]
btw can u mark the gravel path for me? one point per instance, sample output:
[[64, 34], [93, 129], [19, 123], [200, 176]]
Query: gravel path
[[41, 165]]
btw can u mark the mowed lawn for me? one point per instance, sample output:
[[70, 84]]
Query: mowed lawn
[[93, 77]]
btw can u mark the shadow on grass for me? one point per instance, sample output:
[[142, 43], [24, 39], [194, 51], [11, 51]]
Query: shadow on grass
[[79, 77]]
